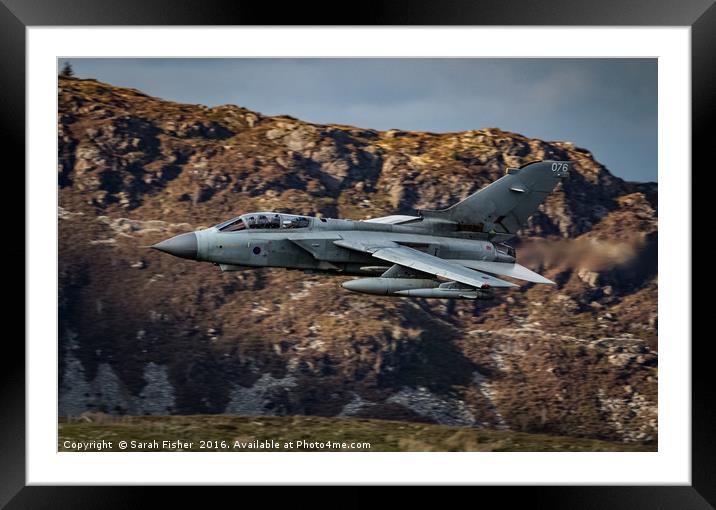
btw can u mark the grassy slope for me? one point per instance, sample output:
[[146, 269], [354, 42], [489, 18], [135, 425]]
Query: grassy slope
[[381, 434]]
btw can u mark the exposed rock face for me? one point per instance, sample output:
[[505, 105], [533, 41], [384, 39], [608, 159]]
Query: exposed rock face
[[144, 333], [108, 393]]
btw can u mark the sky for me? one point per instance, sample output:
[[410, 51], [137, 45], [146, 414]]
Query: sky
[[608, 106]]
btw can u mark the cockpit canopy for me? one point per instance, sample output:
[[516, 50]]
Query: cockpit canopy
[[263, 220]]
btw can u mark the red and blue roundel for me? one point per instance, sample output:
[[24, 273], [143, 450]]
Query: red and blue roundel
[[256, 250]]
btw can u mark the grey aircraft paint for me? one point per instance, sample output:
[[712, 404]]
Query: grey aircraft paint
[[401, 256]]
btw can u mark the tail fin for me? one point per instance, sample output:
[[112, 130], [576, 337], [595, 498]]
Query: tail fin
[[505, 205]]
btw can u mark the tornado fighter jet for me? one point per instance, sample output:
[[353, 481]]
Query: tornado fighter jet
[[453, 253]]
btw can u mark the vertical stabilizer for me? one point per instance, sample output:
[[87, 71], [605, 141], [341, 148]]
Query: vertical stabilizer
[[505, 205]]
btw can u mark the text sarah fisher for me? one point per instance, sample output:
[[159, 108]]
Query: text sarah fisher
[[157, 445]]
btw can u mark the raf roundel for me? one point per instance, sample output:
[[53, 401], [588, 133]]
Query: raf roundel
[[256, 250]]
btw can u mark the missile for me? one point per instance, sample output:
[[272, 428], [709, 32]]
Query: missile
[[414, 287], [387, 286], [445, 293]]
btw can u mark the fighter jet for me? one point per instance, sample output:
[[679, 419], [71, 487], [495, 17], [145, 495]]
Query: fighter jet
[[452, 253]]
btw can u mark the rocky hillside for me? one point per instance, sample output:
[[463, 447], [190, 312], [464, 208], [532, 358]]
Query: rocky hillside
[[144, 333]]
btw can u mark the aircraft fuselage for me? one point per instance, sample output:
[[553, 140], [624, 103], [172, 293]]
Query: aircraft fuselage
[[314, 248]]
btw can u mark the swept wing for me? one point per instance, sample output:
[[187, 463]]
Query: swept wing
[[409, 257]]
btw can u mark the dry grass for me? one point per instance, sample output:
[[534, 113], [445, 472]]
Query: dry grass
[[382, 435]]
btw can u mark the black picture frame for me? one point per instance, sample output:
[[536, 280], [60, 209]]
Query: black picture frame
[[17, 15]]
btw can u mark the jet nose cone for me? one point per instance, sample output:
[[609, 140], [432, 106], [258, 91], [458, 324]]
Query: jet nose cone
[[183, 245]]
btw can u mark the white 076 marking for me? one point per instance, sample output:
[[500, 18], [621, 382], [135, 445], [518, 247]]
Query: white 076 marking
[[557, 167]]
